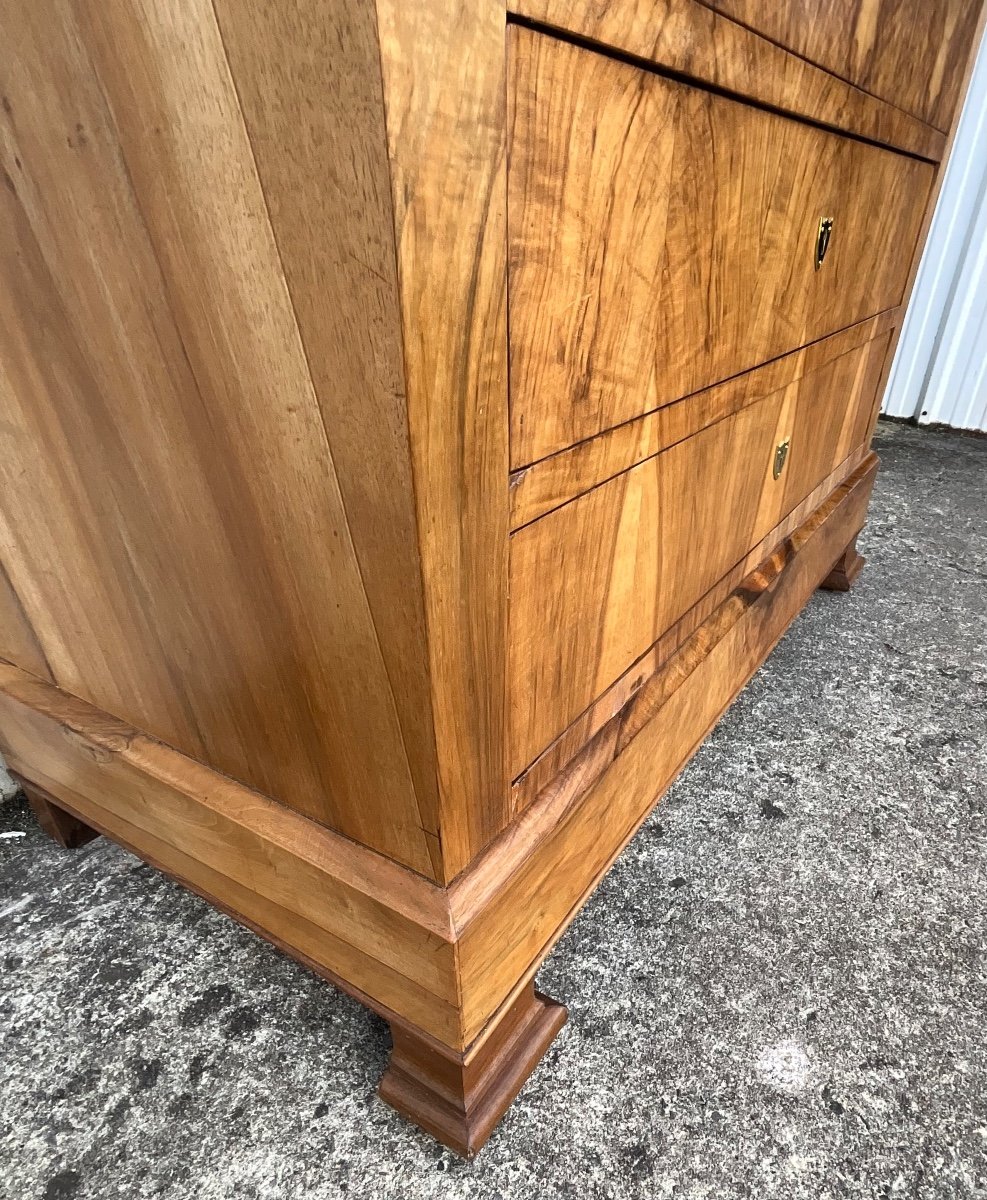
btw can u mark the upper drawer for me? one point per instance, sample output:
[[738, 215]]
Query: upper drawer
[[909, 52], [663, 238]]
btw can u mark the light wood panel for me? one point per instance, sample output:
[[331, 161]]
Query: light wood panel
[[545, 485], [18, 642], [616, 178], [190, 568], [686, 37], [308, 80], [443, 70], [595, 582], [386, 930], [876, 44], [517, 901]]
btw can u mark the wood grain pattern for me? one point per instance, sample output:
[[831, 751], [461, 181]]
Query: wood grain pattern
[[157, 394], [570, 744], [257, 441], [443, 70], [515, 903], [832, 418], [597, 581], [308, 80], [690, 39], [551, 482], [18, 642], [616, 177], [377, 924], [875, 44]]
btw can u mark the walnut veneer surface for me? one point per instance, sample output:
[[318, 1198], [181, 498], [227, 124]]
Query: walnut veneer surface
[[662, 237], [419, 421]]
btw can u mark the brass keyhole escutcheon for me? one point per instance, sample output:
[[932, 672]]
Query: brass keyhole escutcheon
[[781, 457], [823, 235]]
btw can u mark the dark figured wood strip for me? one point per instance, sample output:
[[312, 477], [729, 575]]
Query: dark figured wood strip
[[443, 74]]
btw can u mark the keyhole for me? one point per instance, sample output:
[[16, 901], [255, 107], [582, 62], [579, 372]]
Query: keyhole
[[823, 235]]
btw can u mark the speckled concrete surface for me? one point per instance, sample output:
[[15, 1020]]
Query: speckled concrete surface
[[779, 991]]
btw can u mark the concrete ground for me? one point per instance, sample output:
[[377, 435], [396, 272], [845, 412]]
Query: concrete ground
[[779, 991]]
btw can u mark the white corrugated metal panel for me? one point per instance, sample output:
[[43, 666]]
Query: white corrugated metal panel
[[956, 391], [938, 373]]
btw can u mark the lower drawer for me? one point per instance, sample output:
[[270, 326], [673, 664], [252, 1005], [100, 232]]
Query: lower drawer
[[595, 581]]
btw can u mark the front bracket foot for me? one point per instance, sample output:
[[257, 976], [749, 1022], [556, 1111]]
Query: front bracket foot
[[459, 1098], [845, 570]]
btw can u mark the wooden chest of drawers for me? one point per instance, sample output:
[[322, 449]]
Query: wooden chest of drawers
[[419, 422]]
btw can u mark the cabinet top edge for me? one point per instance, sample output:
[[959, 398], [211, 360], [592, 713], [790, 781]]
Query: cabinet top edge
[[686, 40]]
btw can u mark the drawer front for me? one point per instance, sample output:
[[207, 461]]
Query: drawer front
[[911, 53], [597, 581], [663, 238]]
